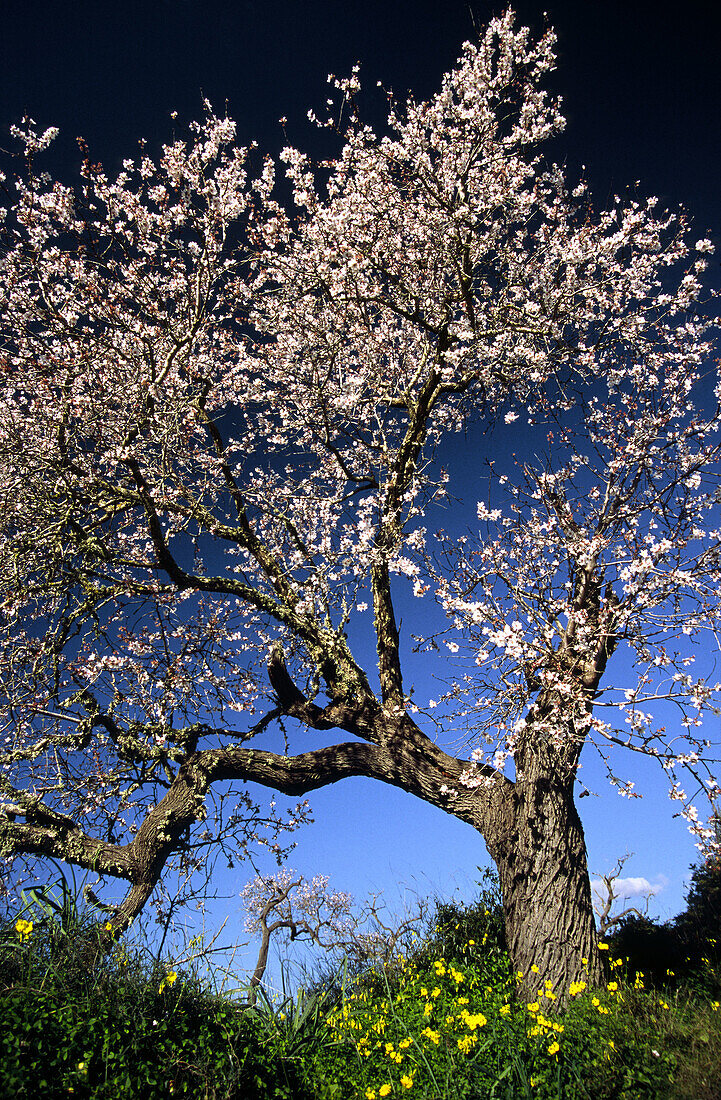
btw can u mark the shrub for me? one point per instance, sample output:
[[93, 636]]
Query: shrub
[[80, 1024]]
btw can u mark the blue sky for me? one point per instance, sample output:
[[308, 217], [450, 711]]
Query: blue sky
[[642, 95]]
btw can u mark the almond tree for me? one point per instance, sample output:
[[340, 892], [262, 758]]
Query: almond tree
[[221, 434], [291, 908], [288, 906]]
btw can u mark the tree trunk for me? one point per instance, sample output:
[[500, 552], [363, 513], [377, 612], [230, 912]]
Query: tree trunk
[[543, 870]]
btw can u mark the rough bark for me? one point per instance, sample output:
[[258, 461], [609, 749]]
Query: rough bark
[[546, 889]]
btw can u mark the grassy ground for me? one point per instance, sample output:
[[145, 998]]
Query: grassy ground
[[437, 1024]]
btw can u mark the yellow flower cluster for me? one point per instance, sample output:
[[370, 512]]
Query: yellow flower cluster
[[170, 978], [24, 929], [541, 1024], [384, 1090], [447, 1021], [472, 1020], [466, 1042]]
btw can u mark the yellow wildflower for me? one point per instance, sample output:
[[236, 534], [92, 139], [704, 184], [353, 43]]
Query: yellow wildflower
[[370, 1094], [477, 1020], [505, 1010], [407, 1081], [554, 1048], [534, 969], [434, 1036], [384, 1090], [24, 929], [169, 978], [603, 947]]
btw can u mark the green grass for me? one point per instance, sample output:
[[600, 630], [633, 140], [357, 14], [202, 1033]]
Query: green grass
[[454, 1029], [444, 1023]]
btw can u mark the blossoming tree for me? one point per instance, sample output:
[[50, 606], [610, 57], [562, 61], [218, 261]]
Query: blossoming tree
[[222, 426], [290, 908]]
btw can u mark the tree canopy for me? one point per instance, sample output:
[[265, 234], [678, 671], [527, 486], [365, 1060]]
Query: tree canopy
[[222, 443]]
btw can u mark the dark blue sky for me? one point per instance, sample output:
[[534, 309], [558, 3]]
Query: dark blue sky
[[641, 84], [641, 81]]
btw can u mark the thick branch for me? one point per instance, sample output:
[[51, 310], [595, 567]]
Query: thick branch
[[389, 532], [353, 712], [404, 758]]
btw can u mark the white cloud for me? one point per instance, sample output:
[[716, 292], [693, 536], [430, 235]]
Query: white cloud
[[633, 887]]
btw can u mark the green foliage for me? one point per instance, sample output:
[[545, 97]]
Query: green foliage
[[442, 1023], [449, 1026], [111, 1027], [453, 926], [649, 948], [297, 1024], [699, 926], [687, 950]]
